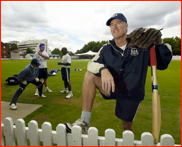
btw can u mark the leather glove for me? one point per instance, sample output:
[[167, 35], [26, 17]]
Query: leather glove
[[144, 38]]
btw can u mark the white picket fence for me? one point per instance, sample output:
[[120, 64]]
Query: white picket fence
[[19, 135]]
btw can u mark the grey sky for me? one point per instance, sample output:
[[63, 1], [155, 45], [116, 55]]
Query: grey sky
[[74, 24]]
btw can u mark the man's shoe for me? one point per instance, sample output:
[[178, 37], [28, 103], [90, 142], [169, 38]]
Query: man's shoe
[[13, 106], [69, 95], [64, 91], [43, 96], [48, 90], [36, 93], [80, 122]]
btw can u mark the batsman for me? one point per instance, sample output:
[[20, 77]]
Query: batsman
[[119, 71]]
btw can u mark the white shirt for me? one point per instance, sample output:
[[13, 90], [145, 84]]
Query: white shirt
[[66, 59], [123, 47], [42, 60]]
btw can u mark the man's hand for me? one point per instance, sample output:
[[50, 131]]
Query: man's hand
[[40, 53], [24, 82], [107, 80], [36, 79], [59, 63]]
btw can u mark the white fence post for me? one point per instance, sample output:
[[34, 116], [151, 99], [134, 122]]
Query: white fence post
[[147, 139], [61, 135], [128, 138], [9, 132], [32, 133], [110, 137], [166, 140], [92, 137], [2, 136], [76, 135], [47, 134], [20, 133]]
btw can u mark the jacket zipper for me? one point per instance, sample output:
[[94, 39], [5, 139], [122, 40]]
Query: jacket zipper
[[122, 54]]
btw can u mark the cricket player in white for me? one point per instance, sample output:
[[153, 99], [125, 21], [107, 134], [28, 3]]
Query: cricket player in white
[[65, 71], [42, 56]]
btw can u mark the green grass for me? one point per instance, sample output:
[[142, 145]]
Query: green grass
[[56, 109]]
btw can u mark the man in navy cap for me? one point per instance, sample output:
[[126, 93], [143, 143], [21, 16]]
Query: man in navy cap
[[28, 75], [119, 72]]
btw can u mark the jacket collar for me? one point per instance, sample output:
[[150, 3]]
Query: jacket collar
[[112, 42]]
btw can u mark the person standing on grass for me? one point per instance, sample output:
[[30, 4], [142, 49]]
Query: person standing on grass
[[42, 56], [119, 72], [28, 75], [65, 71]]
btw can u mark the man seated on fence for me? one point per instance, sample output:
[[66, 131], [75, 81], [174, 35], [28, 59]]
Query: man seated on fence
[[119, 73], [28, 75]]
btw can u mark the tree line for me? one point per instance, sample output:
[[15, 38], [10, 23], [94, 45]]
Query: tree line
[[93, 46], [175, 43]]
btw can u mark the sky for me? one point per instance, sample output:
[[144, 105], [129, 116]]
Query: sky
[[73, 24]]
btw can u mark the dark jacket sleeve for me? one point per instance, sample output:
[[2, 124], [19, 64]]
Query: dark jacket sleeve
[[163, 56], [22, 74]]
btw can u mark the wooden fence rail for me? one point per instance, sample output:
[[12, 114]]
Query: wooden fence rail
[[19, 135]]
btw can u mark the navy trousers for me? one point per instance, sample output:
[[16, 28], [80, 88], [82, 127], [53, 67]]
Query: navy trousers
[[22, 88]]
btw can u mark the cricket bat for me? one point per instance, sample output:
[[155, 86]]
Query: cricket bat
[[156, 108]]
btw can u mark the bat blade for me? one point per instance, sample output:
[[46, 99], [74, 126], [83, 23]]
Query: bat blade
[[156, 115]]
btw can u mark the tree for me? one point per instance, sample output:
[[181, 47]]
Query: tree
[[177, 47], [13, 48], [70, 53], [29, 50], [175, 44], [93, 46], [57, 51]]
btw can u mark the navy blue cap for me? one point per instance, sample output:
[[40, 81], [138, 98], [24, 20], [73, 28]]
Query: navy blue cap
[[119, 16], [35, 62]]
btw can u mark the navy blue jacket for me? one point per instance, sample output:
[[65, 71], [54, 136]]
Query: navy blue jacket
[[128, 68]]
